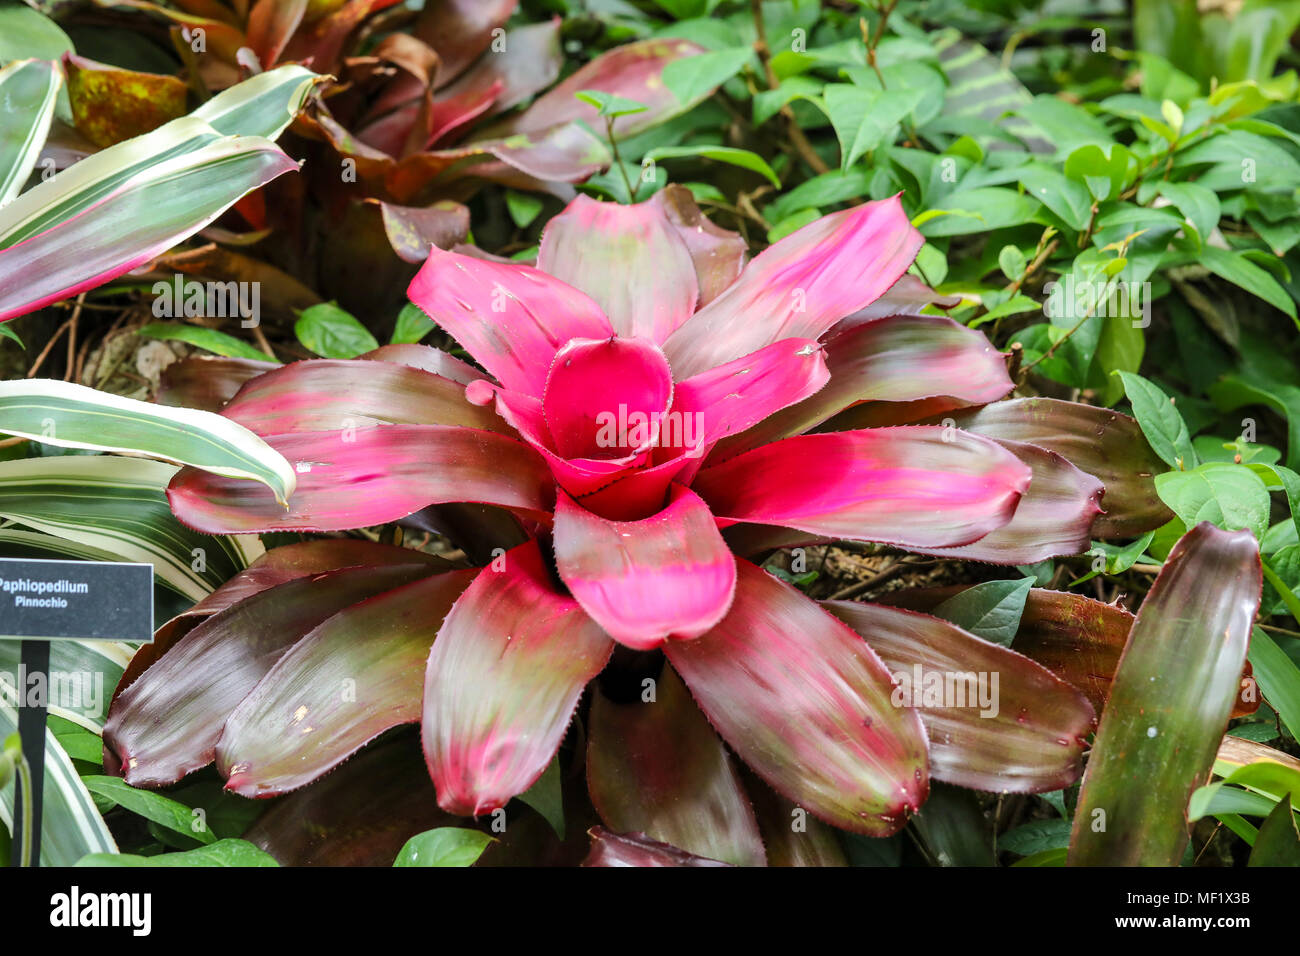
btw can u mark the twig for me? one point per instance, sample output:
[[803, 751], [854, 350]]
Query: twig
[[891, 567], [72, 339], [40, 359], [884, 9], [797, 138]]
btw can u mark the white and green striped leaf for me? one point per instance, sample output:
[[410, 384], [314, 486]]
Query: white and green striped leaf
[[260, 107], [29, 92], [71, 825], [116, 509], [263, 105], [84, 674], [129, 224], [74, 416]]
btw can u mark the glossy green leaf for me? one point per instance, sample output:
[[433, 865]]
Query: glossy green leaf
[[1278, 840], [1230, 496], [610, 105], [1160, 421], [694, 77], [212, 340], [445, 846], [332, 332], [412, 325], [1244, 274], [162, 810], [238, 853], [990, 610], [1278, 678], [722, 154]]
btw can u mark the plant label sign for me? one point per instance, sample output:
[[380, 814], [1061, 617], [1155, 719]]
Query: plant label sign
[[78, 600], [43, 601]]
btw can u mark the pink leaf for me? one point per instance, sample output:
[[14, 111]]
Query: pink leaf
[[512, 318], [1054, 518], [718, 254], [368, 477], [897, 359], [923, 487], [737, 395], [630, 259], [806, 704], [801, 286], [502, 681], [331, 394], [669, 575], [605, 398]]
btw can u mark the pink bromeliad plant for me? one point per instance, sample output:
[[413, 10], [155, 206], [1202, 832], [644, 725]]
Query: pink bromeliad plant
[[652, 411]]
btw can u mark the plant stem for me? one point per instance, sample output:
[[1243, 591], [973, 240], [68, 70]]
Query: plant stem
[[618, 160], [797, 138], [25, 833]]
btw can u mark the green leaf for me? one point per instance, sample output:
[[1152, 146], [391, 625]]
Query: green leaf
[[1012, 262], [767, 103], [695, 77], [162, 810], [29, 90], [722, 154], [73, 416], [793, 223], [1278, 840], [1064, 124], [445, 846], [8, 333], [863, 118], [524, 208], [1228, 496], [610, 105], [1244, 274], [990, 610], [545, 797], [1053, 857], [1278, 678], [412, 325], [981, 210], [263, 105], [152, 171], [1104, 173], [331, 332], [212, 340], [1163, 427], [59, 251], [1036, 836], [1198, 204], [24, 33], [238, 853], [1067, 198]]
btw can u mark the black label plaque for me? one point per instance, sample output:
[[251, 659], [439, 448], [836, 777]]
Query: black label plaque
[[87, 600]]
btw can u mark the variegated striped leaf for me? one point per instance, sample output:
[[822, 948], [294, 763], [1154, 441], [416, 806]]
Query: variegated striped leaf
[[29, 91], [116, 509], [74, 416]]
